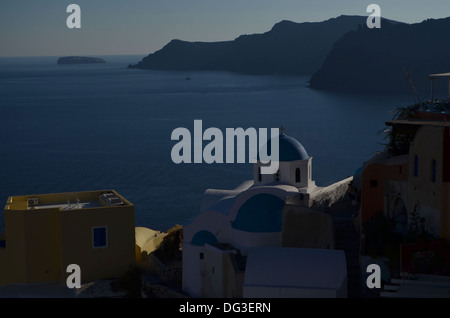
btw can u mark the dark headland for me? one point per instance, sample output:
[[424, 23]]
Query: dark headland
[[375, 60], [340, 54], [79, 60], [289, 48]]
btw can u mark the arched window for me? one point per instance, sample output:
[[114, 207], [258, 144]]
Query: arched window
[[297, 175], [416, 166]]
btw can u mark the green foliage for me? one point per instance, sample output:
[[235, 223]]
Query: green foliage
[[405, 112], [417, 227], [381, 241], [398, 144], [171, 246]]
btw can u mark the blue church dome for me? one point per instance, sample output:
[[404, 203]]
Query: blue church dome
[[290, 149], [260, 213]]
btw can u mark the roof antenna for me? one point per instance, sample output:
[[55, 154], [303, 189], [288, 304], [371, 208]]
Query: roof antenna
[[282, 129]]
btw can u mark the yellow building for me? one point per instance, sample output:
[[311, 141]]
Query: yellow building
[[46, 233]]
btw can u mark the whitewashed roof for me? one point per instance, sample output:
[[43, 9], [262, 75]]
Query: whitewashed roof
[[295, 267]]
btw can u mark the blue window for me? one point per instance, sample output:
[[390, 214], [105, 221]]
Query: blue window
[[99, 237], [2, 243], [416, 166]]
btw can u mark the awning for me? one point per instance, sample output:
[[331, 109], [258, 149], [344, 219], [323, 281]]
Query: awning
[[441, 75]]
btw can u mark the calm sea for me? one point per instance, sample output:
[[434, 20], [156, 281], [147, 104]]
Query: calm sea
[[67, 128]]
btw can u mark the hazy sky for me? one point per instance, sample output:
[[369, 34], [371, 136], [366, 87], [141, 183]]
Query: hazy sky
[[38, 27]]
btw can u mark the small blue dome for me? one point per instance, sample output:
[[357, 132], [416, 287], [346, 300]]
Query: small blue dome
[[203, 237], [290, 149]]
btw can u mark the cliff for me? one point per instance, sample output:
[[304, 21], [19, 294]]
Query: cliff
[[373, 60], [289, 48]]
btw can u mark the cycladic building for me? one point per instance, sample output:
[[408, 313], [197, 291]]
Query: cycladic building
[[272, 210]]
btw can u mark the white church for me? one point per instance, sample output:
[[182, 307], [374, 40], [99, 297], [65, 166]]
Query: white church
[[267, 237]]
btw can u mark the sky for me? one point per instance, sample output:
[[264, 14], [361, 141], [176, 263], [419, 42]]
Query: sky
[[118, 27]]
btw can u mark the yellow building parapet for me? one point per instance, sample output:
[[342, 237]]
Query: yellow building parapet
[[45, 233]]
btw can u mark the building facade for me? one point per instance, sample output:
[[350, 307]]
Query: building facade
[[45, 233], [411, 183]]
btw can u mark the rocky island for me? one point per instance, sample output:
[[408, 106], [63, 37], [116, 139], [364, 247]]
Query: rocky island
[[79, 60]]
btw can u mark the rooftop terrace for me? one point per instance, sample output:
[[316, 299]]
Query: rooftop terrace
[[66, 201]]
